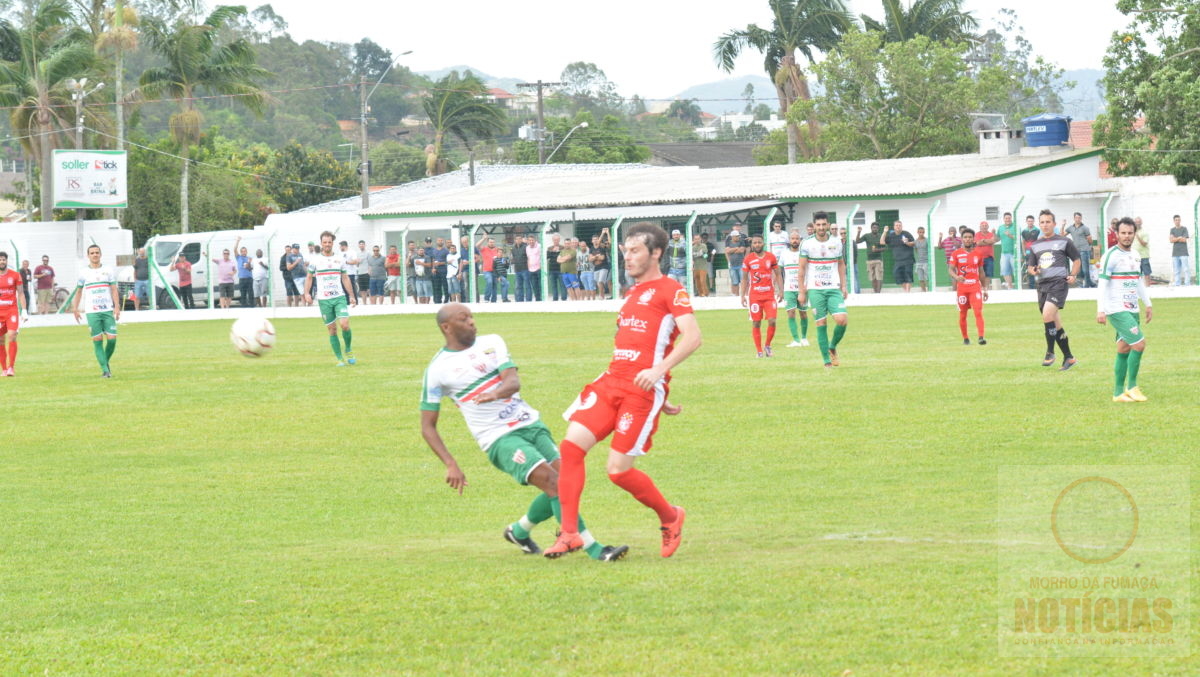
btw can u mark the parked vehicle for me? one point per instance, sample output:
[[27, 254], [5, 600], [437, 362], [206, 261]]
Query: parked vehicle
[[198, 249]]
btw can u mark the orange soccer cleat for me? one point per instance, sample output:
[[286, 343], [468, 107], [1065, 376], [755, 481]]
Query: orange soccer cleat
[[672, 533]]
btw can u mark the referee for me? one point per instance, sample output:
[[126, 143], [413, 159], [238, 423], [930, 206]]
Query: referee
[[1054, 260]]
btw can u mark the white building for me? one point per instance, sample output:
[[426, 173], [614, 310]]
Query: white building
[[931, 192]]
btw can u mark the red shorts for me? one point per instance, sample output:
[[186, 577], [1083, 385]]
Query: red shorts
[[760, 308], [10, 320], [970, 297], [610, 404]]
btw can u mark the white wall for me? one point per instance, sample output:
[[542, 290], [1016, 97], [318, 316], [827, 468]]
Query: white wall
[[1156, 199], [56, 239]]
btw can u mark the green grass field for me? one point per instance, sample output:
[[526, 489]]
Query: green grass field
[[207, 514]]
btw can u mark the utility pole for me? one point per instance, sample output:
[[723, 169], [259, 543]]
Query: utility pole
[[364, 165], [78, 92], [541, 123]]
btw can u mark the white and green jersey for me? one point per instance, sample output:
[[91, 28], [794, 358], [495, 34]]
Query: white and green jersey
[[790, 262], [823, 259], [777, 242], [96, 286], [328, 273], [463, 375], [1120, 282]]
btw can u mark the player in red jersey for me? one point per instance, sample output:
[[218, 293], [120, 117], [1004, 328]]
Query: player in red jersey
[[966, 269], [760, 277], [626, 399], [12, 307]]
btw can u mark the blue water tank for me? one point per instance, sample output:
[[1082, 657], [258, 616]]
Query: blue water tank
[[1047, 129]]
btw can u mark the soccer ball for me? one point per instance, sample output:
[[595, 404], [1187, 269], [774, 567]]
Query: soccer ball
[[252, 336]]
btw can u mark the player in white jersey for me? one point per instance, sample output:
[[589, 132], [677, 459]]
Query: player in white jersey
[[328, 281], [789, 261], [478, 375], [97, 291], [1121, 287], [777, 239], [822, 277]]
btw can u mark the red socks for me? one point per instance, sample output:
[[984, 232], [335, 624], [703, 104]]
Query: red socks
[[8, 354], [770, 333], [978, 321], [641, 486], [571, 476], [962, 322], [757, 334]]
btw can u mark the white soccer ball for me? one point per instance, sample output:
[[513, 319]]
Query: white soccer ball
[[252, 336]]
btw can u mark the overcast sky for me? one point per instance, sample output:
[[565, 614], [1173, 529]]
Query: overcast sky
[[654, 48]]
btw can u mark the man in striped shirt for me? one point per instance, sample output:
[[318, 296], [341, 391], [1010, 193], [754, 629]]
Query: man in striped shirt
[[96, 291], [328, 281], [480, 377], [1121, 287]]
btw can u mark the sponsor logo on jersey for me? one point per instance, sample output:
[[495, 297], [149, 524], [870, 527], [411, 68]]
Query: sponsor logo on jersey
[[626, 354], [519, 457], [644, 299], [625, 423], [682, 299], [633, 323], [489, 351], [481, 367]]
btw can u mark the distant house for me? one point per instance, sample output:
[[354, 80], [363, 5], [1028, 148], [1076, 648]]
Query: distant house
[[500, 97], [736, 121]]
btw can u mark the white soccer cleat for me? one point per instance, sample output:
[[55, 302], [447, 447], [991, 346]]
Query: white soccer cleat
[[794, 344], [803, 343]]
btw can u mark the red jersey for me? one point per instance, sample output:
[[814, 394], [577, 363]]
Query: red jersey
[[759, 270], [967, 264], [646, 328], [10, 281]]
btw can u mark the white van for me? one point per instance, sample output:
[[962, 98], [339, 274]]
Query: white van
[[199, 249]]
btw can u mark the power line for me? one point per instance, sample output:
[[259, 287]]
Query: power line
[[228, 169]]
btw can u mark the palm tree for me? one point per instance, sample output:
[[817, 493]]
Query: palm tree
[[120, 38], [196, 62], [804, 26], [455, 105], [50, 52], [940, 20]]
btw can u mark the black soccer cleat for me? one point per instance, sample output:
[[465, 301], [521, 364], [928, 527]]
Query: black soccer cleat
[[1049, 360], [526, 545], [966, 342], [612, 553], [1068, 363], [982, 341]]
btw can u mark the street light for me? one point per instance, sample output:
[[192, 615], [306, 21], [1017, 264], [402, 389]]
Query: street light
[[560, 143], [79, 92], [364, 165]]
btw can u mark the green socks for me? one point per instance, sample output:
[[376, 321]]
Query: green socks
[[544, 508], [839, 330], [346, 336], [804, 326], [1135, 363], [336, 345], [109, 349], [823, 342], [1119, 369], [792, 328], [101, 357]]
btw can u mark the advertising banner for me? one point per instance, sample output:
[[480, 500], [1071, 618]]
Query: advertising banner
[[90, 179]]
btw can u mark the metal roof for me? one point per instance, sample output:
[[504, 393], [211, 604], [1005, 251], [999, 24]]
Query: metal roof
[[640, 185], [459, 178], [610, 214]]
